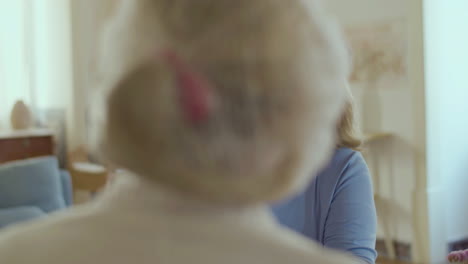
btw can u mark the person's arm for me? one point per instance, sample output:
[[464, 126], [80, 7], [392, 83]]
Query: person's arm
[[351, 224]]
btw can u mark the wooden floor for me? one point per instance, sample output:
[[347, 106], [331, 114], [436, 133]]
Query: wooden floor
[[384, 261]]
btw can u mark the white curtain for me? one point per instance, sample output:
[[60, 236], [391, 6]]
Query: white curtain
[[35, 57], [15, 59], [47, 58]]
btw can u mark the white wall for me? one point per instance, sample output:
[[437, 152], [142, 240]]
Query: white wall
[[447, 125]]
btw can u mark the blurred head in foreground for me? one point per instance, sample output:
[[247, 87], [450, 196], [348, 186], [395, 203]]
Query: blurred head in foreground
[[230, 102]]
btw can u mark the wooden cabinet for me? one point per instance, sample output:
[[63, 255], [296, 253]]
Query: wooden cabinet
[[17, 145]]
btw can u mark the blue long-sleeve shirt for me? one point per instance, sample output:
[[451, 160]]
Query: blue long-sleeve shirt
[[337, 209]]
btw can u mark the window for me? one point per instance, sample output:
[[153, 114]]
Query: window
[[35, 55], [15, 56]]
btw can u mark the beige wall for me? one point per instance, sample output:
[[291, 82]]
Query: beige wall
[[396, 162], [88, 17]]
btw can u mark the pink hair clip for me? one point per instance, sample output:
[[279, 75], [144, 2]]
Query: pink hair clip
[[195, 91], [458, 256]]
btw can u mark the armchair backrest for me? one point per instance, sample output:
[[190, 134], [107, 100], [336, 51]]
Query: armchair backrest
[[35, 182]]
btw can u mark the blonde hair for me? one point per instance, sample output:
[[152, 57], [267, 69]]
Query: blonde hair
[[348, 133], [276, 69]]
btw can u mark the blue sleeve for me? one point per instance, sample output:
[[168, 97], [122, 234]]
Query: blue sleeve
[[351, 224]]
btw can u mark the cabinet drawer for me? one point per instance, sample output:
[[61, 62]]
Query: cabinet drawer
[[13, 149], [23, 148], [40, 146]]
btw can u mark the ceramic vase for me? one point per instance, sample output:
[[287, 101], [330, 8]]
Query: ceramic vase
[[21, 116]]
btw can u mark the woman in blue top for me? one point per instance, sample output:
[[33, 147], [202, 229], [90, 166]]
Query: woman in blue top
[[337, 209]]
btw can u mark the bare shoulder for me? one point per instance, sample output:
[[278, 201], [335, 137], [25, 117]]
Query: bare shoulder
[[44, 239], [307, 252], [284, 246], [87, 235]]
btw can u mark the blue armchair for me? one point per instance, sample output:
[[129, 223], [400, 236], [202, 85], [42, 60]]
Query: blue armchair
[[32, 188]]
